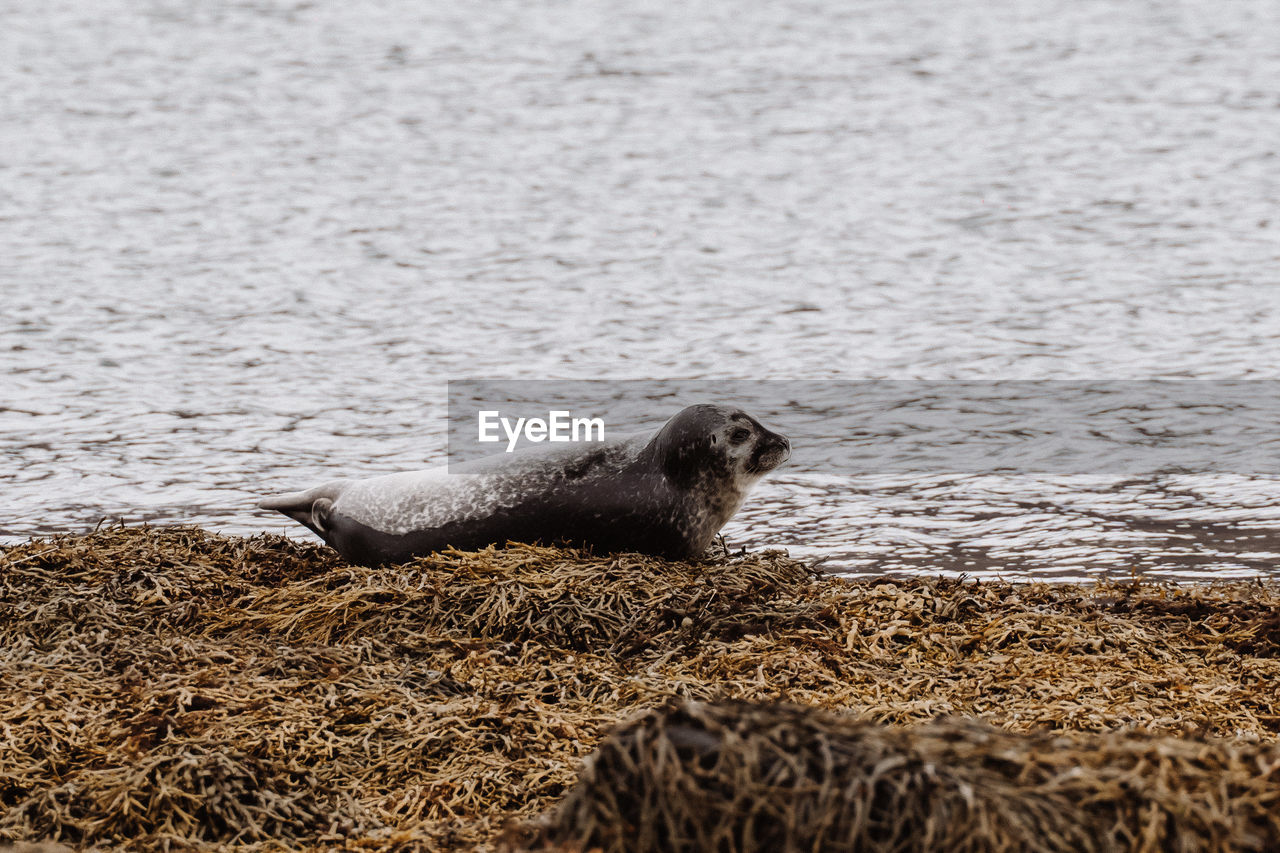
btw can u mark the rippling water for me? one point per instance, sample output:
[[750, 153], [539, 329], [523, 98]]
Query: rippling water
[[243, 245]]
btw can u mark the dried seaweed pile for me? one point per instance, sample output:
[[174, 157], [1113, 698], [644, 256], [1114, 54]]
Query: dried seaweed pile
[[737, 776], [173, 687]]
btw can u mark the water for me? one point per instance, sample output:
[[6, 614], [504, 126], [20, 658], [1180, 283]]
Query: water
[[243, 245]]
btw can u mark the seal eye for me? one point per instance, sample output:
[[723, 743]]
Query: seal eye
[[739, 435]]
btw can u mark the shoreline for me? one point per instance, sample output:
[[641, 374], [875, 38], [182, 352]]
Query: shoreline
[[156, 671]]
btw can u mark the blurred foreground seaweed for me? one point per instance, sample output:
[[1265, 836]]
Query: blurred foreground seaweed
[[739, 776], [170, 688]]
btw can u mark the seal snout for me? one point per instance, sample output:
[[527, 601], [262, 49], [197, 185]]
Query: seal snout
[[771, 451]]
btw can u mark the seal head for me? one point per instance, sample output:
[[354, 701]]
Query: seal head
[[717, 448]]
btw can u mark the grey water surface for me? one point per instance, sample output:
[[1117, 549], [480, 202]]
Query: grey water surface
[[243, 245]]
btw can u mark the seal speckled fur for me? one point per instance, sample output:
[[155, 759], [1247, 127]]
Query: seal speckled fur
[[667, 493]]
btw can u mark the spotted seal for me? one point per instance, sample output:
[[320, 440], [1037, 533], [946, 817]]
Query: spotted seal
[[665, 493]]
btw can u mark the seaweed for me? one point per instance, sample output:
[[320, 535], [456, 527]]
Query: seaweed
[[169, 688], [737, 776]]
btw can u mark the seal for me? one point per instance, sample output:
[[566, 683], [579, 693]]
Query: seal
[[665, 493]]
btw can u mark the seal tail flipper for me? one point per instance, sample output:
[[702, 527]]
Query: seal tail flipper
[[310, 508]]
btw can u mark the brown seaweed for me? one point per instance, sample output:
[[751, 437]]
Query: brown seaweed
[[171, 688], [738, 776]]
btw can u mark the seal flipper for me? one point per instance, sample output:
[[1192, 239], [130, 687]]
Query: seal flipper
[[310, 508]]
